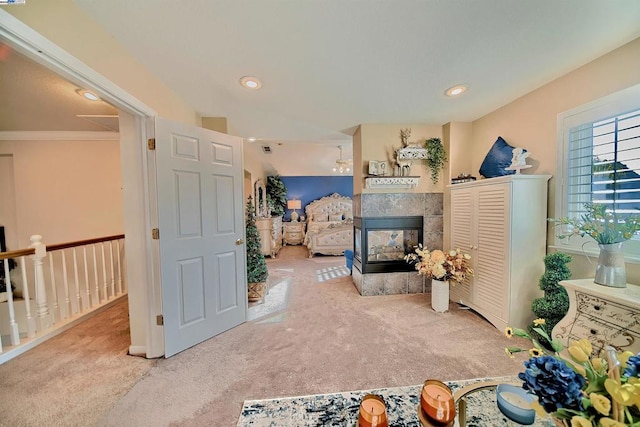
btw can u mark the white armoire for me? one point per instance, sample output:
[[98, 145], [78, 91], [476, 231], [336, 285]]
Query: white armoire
[[502, 223]]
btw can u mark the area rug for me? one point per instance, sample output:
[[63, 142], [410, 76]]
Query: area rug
[[329, 273], [276, 300], [341, 409]]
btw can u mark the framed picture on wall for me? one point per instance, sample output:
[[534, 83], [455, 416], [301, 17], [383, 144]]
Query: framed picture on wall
[[383, 168], [373, 167]]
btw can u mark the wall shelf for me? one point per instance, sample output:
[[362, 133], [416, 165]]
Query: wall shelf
[[375, 182], [412, 153]]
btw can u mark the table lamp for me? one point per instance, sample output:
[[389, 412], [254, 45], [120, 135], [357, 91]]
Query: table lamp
[[294, 204]]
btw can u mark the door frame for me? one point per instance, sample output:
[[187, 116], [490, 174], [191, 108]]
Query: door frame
[[145, 299]]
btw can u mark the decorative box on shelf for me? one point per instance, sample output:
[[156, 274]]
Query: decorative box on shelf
[[374, 182], [462, 178]]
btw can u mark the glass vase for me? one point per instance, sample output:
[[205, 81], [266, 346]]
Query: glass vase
[[610, 270]]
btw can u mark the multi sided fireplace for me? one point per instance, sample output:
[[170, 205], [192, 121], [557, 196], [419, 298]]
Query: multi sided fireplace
[[381, 243]]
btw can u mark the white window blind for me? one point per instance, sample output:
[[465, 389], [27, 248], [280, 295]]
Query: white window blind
[[599, 162], [604, 165]]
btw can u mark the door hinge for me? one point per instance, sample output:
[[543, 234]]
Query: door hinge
[[151, 143], [155, 233], [159, 320]]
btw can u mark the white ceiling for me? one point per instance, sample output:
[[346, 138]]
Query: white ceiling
[[328, 66]]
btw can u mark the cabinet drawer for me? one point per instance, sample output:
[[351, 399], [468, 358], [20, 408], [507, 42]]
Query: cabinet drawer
[[293, 228], [601, 333], [608, 312], [294, 236]]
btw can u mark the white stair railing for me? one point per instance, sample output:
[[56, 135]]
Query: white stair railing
[[35, 309]]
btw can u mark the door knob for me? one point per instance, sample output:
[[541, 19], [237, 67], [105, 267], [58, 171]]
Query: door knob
[[239, 242]]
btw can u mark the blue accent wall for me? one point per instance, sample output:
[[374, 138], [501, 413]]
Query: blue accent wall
[[310, 188]]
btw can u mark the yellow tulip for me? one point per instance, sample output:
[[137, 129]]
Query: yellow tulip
[[623, 394], [538, 322], [624, 357], [608, 422], [578, 354], [585, 345], [578, 421], [601, 403], [598, 363]]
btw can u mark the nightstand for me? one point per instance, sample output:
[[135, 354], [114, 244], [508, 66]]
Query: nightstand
[[293, 232]]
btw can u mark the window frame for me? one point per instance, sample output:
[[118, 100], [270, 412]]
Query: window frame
[[614, 104]]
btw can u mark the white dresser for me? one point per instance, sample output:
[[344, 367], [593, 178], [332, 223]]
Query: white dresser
[[502, 223], [270, 230], [601, 314]]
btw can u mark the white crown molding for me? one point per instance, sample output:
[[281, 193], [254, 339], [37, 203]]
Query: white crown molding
[[58, 136]]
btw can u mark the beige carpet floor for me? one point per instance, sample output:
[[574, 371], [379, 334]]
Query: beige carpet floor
[[322, 337]]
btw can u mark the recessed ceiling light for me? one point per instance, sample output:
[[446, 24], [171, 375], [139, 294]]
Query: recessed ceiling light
[[456, 90], [251, 139], [250, 82], [88, 95]]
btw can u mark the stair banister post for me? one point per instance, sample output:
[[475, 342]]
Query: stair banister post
[[42, 309]]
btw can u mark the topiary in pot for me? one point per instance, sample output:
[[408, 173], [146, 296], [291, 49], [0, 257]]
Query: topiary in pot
[[553, 306], [257, 272], [276, 195]]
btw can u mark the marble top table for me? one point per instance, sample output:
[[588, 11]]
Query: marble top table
[[341, 409]]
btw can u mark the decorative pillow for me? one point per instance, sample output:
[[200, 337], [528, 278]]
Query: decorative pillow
[[497, 159], [335, 217]]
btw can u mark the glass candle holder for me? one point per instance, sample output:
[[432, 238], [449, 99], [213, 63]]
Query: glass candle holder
[[373, 412], [436, 400]]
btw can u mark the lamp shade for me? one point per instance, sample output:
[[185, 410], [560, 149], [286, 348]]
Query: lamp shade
[[294, 204]]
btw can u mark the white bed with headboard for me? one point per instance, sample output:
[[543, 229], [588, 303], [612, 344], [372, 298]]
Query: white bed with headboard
[[329, 225]]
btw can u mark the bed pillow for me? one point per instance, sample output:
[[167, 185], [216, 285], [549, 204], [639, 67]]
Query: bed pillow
[[335, 217], [497, 159]]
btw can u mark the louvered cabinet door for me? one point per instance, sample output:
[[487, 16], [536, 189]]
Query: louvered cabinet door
[[492, 251], [501, 223], [462, 217]]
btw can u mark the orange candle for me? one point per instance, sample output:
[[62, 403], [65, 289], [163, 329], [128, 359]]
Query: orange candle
[[373, 412], [436, 400]]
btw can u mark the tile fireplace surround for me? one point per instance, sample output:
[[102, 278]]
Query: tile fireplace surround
[[376, 205]]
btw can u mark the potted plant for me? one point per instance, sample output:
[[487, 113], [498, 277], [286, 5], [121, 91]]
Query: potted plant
[[436, 157], [553, 306], [257, 272], [276, 195], [610, 230]]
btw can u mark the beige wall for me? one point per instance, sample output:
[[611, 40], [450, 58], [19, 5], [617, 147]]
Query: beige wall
[[66, 190], [531, 122], [379, 142], [65, 24]]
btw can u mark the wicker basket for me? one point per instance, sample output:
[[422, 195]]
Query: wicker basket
[[257, 291]]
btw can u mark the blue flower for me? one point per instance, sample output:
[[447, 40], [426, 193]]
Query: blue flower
[[556, 385], [633, 366]]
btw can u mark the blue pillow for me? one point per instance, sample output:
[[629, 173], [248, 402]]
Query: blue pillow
[[497, 159]]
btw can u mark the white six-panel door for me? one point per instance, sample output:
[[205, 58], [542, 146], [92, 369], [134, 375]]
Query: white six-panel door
[[201, 228]]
